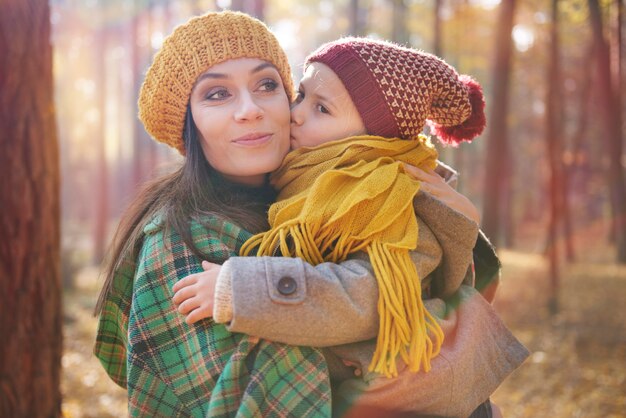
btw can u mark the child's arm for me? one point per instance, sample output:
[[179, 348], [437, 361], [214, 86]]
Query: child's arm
[[288, 300], [194, 294]]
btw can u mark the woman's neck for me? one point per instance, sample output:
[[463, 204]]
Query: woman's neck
[[250, 181]]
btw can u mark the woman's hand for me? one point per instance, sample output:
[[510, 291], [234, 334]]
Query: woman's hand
[[194, 294], [495, 411], [435, 185]]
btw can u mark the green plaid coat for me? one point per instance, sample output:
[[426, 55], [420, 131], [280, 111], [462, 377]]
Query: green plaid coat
[[172, 369]]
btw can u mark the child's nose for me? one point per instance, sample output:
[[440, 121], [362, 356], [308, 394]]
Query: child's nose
[[296, 114]]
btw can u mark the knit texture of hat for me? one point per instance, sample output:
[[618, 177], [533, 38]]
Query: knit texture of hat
[[396, 90], [188, 52]]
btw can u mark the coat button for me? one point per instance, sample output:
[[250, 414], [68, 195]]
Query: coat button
[[287, 285]]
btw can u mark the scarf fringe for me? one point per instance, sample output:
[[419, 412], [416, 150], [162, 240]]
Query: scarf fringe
[[406, 328]]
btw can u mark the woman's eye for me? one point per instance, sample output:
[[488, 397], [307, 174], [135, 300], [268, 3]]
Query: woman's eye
[[218, 94], [268, 85]]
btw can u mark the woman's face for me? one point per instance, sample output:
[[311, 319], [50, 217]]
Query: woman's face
[[241, 111], [323, 110]]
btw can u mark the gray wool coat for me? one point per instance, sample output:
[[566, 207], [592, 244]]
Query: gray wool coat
[[334, 306]]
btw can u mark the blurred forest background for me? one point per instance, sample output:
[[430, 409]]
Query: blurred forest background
[[548, 176]]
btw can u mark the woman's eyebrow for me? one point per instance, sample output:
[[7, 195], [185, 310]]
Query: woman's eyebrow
[[221, 76], [261, 67]]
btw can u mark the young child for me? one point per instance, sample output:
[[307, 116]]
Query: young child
[[346, 191], [361, 107]]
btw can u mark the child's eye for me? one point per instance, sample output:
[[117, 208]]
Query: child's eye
[[299, 97], [323, 109], [268, 85], [217, 94]]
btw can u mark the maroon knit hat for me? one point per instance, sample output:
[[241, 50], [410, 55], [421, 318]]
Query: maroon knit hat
[[397, 89]]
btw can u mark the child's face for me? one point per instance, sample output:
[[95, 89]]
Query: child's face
[[323, 110]]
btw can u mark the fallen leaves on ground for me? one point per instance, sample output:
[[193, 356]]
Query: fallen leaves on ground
[[578, 363], [87, 390]]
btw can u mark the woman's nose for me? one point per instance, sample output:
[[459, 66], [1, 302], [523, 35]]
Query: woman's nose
[[248, 108]]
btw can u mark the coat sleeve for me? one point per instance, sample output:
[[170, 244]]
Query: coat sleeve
[[477, 355], [487, 267], [290, 301], [457, 236]]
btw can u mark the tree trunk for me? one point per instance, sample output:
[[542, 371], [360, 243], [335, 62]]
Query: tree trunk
[[356, 20], [507, 226], [257, 9], [497, 136], [254, 8], [611, 111], [437, 43], [619, 223], [149, 158], [568, 237], [448, 155], [553, 144], [142, 154], [399, 32], [619, 48], [136, 71], [30, 312], [576, 149], [101, 213]]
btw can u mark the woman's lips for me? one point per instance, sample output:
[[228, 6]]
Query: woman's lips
[[254, 139]]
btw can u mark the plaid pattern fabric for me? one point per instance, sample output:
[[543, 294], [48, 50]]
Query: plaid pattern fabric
[[174, 369]]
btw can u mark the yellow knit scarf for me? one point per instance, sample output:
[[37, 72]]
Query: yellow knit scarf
[[353, 195]]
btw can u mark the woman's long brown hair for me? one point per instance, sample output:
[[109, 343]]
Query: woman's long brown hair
[[192, 191]]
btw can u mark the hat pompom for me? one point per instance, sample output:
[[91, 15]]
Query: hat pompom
[[473, 125]]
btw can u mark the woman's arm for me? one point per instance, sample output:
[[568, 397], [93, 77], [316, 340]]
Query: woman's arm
[[486, 267], [456, 234], [441, 183], [477, 355], [437, 186]]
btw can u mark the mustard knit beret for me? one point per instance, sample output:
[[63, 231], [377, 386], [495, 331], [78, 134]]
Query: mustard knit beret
[[188, 52]]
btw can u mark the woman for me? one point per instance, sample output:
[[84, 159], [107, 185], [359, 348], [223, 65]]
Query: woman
[[219, 92], [205, 210]]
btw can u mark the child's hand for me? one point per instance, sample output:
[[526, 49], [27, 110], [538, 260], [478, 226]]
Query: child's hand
[[435, 185], [194, 294]]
